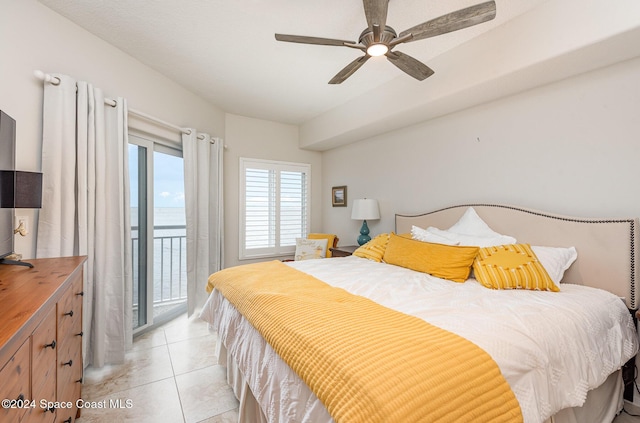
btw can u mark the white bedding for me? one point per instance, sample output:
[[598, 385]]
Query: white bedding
[[551, 347]]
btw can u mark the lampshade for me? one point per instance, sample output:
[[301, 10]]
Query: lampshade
[[365, 209], [20, 190]]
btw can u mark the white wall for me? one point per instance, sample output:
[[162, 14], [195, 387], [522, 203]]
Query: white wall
[[259, 139], [34, 37], [529, 51], [571, 147]]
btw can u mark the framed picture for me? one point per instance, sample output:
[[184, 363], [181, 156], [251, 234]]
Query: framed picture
[[339, 196]]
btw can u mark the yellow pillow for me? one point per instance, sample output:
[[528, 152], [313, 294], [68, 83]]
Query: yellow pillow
[[443, 261], [512, 266], [374, 249], [330, 241]]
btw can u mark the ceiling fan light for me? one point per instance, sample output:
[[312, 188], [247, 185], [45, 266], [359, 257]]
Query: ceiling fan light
[[377, 50]]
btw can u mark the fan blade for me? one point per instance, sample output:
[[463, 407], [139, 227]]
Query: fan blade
[[349, 70], [312, 40], [454, 21], [376, 12], [409, 65]]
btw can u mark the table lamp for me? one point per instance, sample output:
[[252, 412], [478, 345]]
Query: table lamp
[[365, 209], [17, 190]]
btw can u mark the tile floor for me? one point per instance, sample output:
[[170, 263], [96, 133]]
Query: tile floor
[[170, 375], [626, 418]]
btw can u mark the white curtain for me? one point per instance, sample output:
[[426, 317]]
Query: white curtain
[[202, 157], [85, 208]]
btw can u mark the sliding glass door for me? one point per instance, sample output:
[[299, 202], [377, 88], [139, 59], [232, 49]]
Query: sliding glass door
[[158, 232]]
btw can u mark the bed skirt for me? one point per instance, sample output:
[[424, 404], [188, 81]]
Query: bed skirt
[[602, 404], [249, 410]]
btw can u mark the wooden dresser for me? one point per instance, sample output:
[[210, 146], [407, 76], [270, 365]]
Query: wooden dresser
[[41, 340]]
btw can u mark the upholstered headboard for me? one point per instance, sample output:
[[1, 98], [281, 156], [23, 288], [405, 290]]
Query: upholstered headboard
[[607, 248]]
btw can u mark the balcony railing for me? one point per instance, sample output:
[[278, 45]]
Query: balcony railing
[[169, 265]]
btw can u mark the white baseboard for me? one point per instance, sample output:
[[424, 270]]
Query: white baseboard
[[632, 407]]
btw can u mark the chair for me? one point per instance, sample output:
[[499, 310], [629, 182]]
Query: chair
[[332, 240]]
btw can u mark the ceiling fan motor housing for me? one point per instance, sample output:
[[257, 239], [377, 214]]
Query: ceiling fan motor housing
[[386, 36]]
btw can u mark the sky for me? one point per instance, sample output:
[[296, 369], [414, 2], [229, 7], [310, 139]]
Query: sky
[[168, 189]]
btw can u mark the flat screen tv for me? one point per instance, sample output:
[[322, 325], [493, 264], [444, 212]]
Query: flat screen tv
[[7, 162]]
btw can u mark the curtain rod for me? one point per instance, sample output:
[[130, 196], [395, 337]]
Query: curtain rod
[[156, 120], [54, 80]]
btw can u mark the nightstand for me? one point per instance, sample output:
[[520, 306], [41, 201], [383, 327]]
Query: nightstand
[[629, 368], [343, 251]]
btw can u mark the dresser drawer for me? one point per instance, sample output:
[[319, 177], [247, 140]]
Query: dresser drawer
[[69, 364], [69, 314], [43, 364], [15, 376], [43, 351], [37, 414], [70, 394]]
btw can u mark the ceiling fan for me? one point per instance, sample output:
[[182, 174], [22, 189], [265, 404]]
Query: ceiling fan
[[380, 39]]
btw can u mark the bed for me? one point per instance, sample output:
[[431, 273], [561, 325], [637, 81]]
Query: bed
[[560, 353]]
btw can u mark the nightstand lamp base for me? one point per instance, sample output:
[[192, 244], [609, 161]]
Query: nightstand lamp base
[[364, 234]]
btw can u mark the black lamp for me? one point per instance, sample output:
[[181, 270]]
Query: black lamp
[[20, 190]]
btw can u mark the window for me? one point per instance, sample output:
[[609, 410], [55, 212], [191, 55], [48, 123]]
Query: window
[[274, 206]]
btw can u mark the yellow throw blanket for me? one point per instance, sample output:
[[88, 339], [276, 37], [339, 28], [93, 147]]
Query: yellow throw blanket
[[365, 362]]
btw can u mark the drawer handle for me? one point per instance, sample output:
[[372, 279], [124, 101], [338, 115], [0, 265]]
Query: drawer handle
[[80, 334], [52, 345], [81, 293], [68, 420], [20, 398], [52, 409], [68, 363], [70, 314], [79, 380]]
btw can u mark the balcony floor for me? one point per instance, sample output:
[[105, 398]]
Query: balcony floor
[[158, 310]]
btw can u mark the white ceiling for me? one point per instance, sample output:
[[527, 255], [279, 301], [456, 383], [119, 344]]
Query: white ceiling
[[225, 50]]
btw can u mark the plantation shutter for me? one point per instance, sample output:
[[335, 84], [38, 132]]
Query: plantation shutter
[[275, 207]]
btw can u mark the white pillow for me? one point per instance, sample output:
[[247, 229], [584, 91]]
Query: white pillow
[[471, 224], [424, 235], [471, 230], [307, 249], [555, 260], [471, 240]]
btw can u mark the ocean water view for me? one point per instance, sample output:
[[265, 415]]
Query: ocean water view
[[163, 216], [169, 258]]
